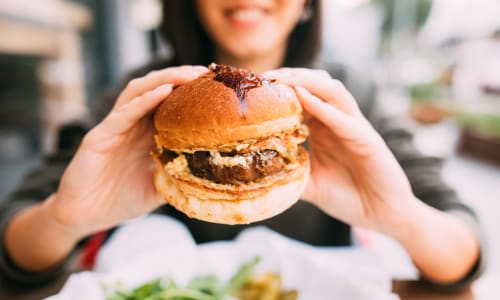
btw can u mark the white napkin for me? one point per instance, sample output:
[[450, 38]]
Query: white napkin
[[158, 246]]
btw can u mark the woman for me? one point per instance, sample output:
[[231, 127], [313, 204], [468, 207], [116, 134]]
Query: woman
[[357, 176]]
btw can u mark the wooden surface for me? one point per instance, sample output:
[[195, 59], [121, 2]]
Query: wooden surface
[[38, 292], [413, 290]]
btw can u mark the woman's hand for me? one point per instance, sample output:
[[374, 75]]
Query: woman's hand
[[110, 178], [354, 176]]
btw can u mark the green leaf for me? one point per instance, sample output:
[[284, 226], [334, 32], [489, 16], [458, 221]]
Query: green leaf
[[148, 289], [209, 284], [187, 294], [242, 275], [200, 288]]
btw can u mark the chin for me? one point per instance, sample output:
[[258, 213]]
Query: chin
[[230, 147]]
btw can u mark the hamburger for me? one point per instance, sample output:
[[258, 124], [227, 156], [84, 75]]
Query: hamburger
[[230, 147]]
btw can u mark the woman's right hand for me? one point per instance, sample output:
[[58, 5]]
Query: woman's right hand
[[110, 179]]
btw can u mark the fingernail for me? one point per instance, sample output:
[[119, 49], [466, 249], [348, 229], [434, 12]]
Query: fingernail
[[195, 72], [164, 87], [196, 69]]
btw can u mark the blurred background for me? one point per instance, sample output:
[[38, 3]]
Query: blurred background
[[436, 62]]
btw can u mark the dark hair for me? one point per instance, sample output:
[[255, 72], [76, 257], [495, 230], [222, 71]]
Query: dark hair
[[191, 44]]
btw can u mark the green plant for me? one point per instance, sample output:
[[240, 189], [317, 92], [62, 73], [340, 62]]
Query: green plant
[[429, 92], [207, 287], [388, 6], [483, 123]]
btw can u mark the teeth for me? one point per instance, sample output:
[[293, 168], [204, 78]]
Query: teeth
[[247, 14]]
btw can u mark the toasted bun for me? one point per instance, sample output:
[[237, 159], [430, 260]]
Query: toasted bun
[[224, 109], [206, 113], [228, 204]]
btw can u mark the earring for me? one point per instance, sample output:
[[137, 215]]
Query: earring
[[306, 13]]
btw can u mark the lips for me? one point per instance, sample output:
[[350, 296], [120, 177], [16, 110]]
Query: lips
[[246, 16]]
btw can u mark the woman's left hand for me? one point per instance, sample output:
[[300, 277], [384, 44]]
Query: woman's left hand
[[354, 175]]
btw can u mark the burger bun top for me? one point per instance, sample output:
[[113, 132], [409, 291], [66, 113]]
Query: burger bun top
[[225, 106]]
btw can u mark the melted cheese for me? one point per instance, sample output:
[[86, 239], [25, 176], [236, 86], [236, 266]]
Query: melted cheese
[[229, 161]]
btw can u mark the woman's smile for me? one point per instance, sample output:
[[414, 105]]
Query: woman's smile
[[247, 17]]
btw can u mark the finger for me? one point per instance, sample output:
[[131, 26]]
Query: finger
[[125, 117], [358, 133], [290, 71], [327, 114], [320, 84], [334, 171], [178, 75]]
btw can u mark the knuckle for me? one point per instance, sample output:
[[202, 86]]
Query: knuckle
[[118, 111], [118, 119], [153, 73], [113, 117], [298, 72], [322, 73], [146, 95], [129, 110], [337, 84], [133, 84], [90, 138]]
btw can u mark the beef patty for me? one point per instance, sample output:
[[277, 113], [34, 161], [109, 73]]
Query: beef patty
[[257, 165]]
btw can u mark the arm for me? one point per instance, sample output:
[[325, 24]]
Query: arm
[[439, 216], [108, 181], [357, 179], [51, 244], [39, 184], [442, 246]]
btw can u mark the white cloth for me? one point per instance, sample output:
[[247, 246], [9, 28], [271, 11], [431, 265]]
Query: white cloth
[[157, 246]]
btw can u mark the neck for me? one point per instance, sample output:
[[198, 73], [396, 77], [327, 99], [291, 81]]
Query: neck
[[256, 64]]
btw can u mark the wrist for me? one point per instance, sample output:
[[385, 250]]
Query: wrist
[[407, 220], [59, 220], [35, 241], [441, 246]]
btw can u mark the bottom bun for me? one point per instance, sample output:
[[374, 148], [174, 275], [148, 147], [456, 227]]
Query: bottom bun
[[229, 204]]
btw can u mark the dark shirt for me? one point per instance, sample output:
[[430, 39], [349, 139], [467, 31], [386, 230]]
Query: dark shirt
[[303, 221]]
